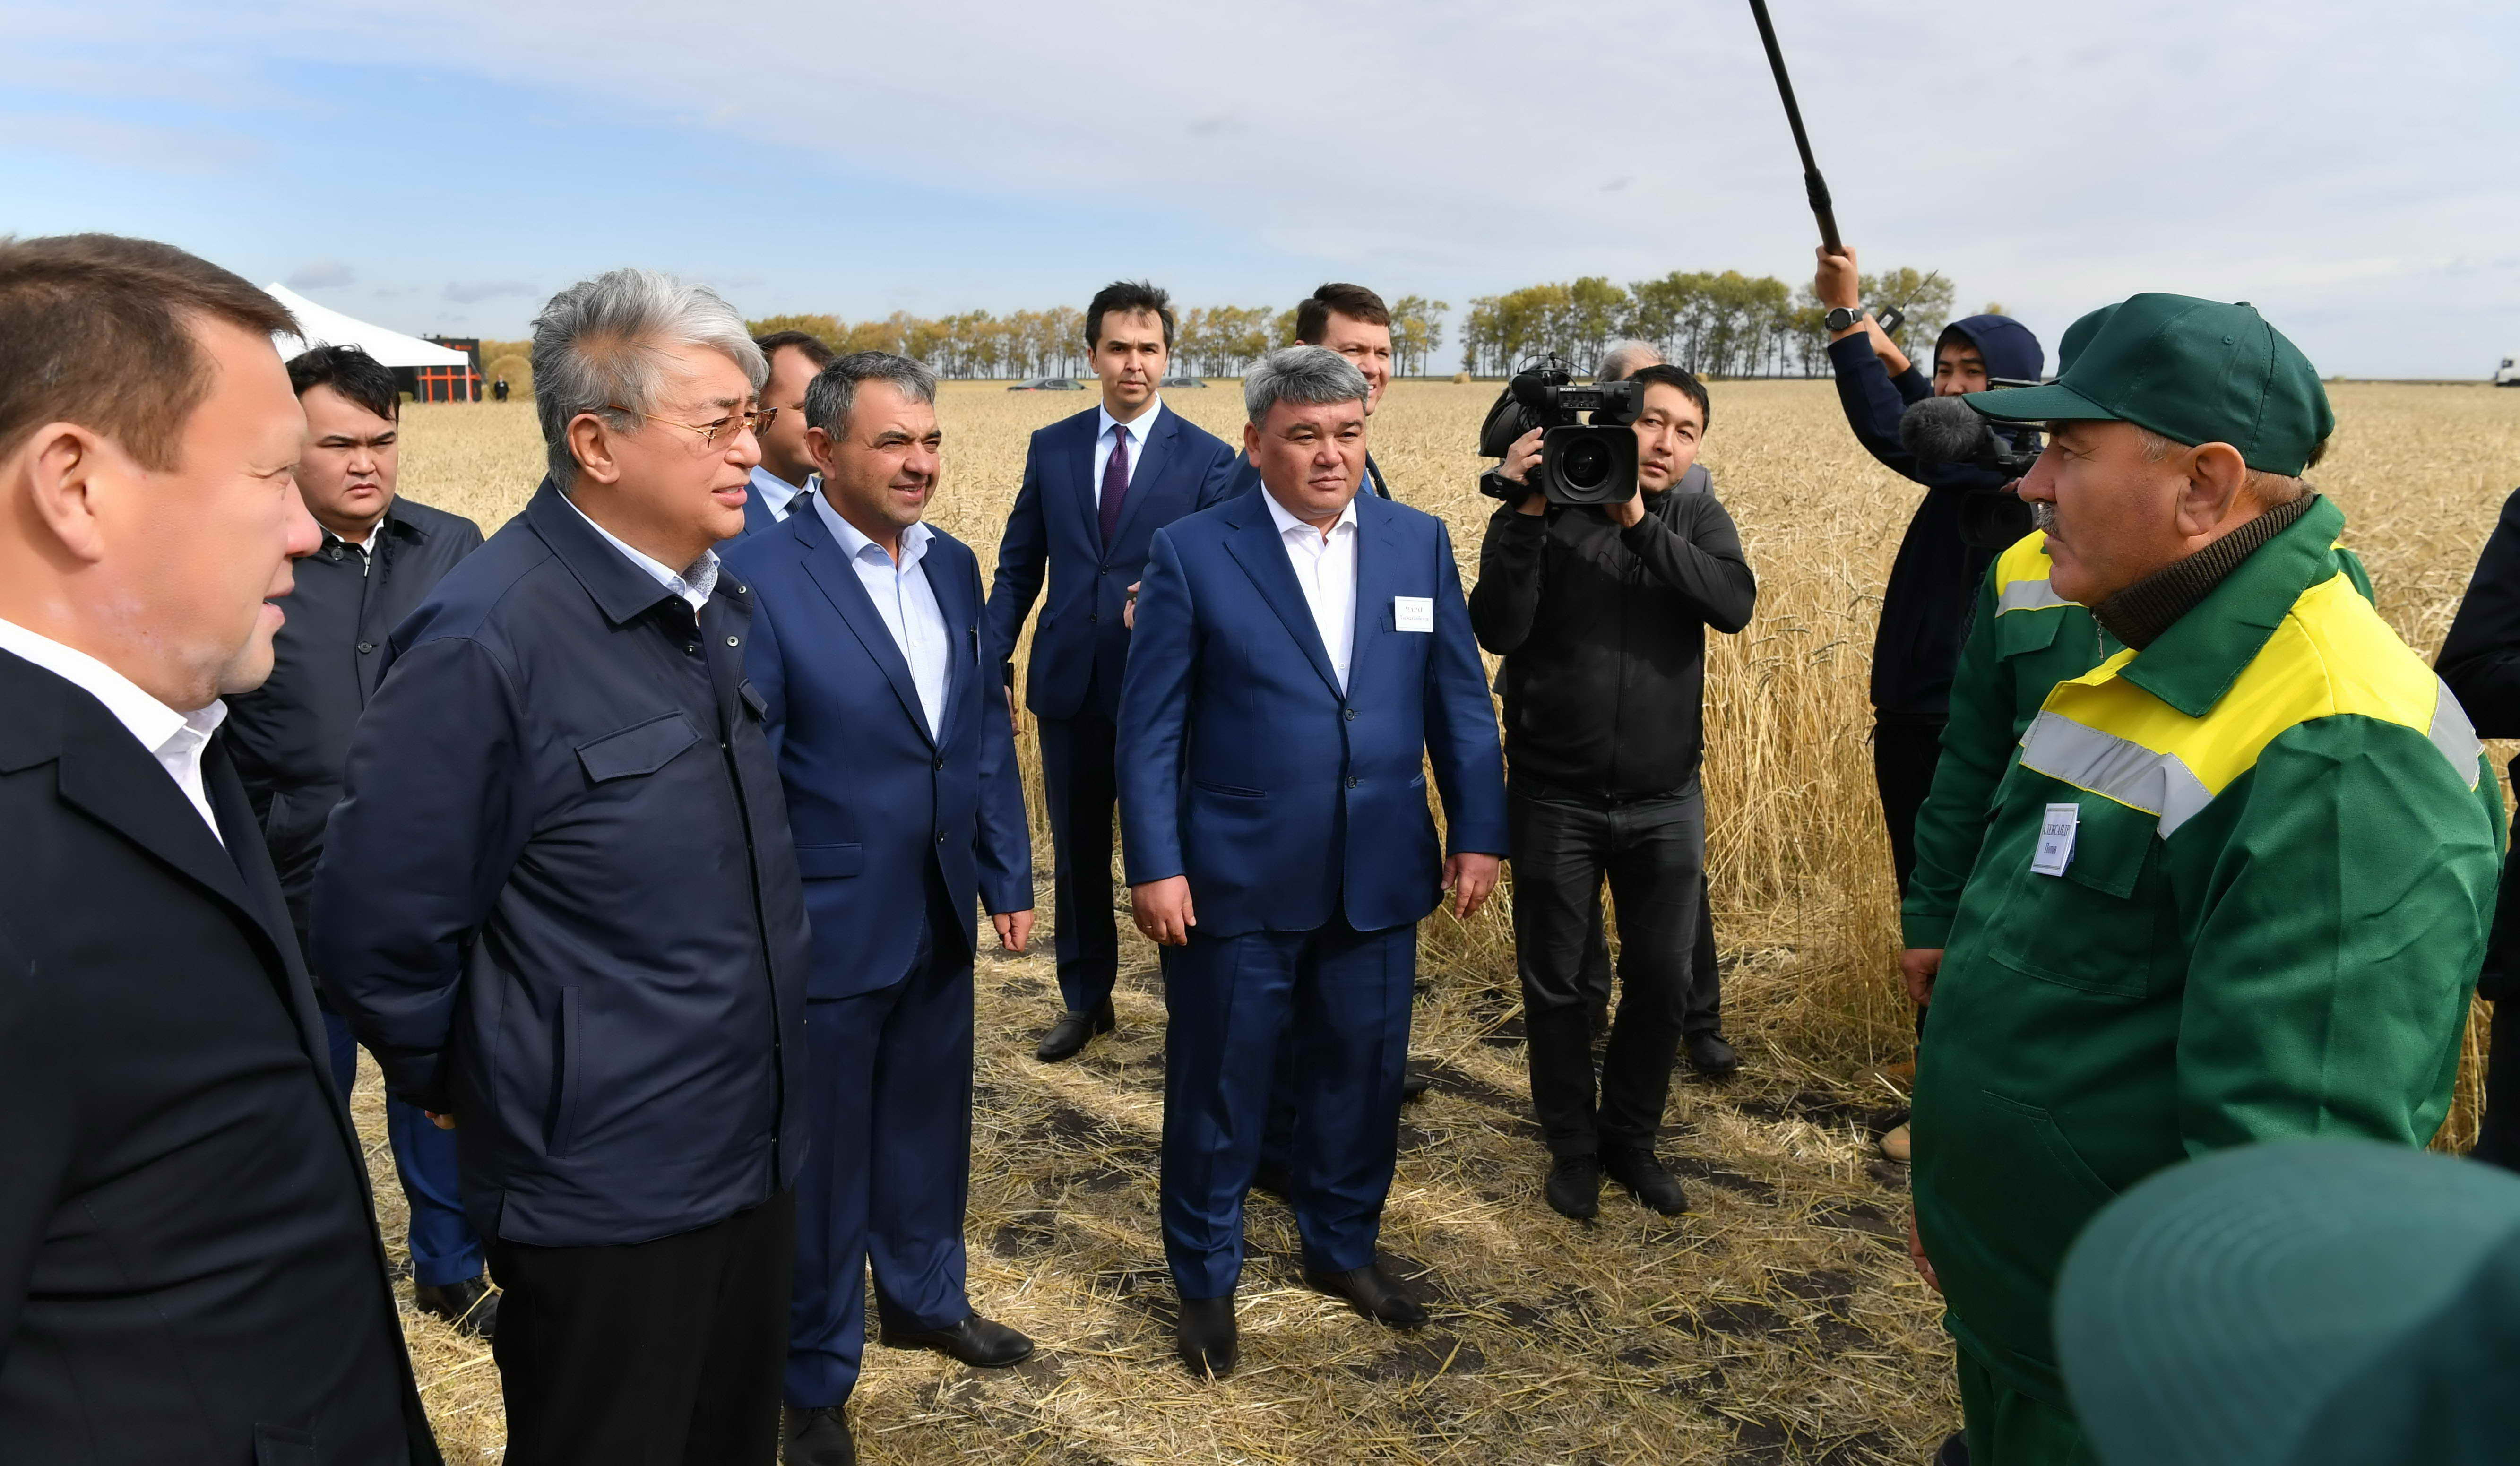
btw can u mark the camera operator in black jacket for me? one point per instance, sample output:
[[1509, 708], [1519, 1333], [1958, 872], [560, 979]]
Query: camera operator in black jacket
[[1601, 614]]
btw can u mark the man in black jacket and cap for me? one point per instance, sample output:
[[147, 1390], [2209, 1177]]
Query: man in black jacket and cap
[[380, 555], [1925, 607]]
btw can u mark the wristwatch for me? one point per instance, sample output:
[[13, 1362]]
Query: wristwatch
[[1841, 317]]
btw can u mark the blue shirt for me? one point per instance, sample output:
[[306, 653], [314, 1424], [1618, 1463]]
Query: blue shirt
[[906, 601]]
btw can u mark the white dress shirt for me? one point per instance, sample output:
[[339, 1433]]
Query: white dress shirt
[[778, 494], [1326, 568], [1104, 425], [906, 601], [175, 739], [693, 584]]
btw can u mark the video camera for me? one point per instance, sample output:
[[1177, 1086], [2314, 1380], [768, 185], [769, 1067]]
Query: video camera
[[1578, 464]]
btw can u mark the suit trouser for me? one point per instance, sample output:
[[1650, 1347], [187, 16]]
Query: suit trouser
[[1079, 759], [443, 1248], [1653, 851], [652, 1354], [889, 1170], [1343, 996], [1705, 1015]]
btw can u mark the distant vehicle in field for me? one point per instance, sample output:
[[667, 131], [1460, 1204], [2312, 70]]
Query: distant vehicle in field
[[1049, 384], [1183, 382], [2509, 374]]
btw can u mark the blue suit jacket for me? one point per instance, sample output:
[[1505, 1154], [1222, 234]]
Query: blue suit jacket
[[1243, 767], [1081, 645], [876, 802]]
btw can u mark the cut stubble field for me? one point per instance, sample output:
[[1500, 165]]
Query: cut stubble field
[[1778, 1321]]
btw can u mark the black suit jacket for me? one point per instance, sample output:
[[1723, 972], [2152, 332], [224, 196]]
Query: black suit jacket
[[2479, 661], [291, 737], [189, 1267]]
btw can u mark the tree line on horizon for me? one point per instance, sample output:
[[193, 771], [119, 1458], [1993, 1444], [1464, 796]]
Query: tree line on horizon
[[1716, 324]]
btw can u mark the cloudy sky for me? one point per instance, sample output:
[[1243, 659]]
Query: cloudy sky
[[2351, 169]]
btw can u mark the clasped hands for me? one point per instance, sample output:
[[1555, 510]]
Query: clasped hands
[[1164, 914]]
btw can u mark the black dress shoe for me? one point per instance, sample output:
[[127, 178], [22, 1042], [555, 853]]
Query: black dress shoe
[[1955, 1451], [1414, 1088], [1710, 1055], [1068, 1036], [1205, 1336], [1277, 1181], [982, 1342], [469, 1306], [1376, 1294], [1654, 1187], [815, 1437], [1574, 1187]]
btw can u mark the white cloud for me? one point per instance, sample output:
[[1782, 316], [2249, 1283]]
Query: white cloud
[[2050, 156], [322, 275]]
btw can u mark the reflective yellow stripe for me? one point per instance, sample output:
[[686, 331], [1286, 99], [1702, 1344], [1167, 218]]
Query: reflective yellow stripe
[[2021, 577], [2331, 656]]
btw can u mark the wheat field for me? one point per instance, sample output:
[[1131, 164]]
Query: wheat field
[[1778, 1321]]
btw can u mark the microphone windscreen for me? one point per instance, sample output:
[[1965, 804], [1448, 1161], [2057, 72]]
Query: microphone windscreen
[[1942, 430]]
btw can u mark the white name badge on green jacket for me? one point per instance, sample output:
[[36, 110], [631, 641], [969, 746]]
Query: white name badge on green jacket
[[1413, 613], [2057, 839]]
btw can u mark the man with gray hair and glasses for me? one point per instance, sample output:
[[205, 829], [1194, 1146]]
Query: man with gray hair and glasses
[[1301, 656], [560, 905]]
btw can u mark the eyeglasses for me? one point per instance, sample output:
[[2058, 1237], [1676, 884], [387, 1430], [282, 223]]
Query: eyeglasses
[[758, 420]]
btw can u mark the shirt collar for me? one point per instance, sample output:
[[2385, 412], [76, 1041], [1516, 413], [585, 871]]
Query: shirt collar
[[1288, 524], [1136, 429], [776, 492], [152, 723], [854, 545], [2194, 662], [692, 583]]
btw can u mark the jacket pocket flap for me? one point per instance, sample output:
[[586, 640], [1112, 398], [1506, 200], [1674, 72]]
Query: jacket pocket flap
[[828, 861], [282, 1445], [2017, 633], [2111, 843], [1229, 791], [752, 699], [640, 748]]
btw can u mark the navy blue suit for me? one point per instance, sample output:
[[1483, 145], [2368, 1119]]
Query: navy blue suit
[[1299, 816], [898, 832], [1081, 645]]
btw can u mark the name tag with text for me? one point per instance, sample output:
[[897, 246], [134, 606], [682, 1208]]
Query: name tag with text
[[2057, 839], [1413, 613]]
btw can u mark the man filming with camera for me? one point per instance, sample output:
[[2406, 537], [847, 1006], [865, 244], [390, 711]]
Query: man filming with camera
[[1599, 598]]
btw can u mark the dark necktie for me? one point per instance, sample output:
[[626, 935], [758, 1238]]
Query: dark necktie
[[1116, 482]]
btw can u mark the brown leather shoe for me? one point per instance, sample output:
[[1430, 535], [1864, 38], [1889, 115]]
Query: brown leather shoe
[[1894, 1143]]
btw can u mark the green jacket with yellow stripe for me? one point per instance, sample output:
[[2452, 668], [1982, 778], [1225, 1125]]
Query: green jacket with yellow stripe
[[2024, 640], [2284, 851]]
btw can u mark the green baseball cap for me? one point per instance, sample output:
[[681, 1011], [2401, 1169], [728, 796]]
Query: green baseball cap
[[2193, 370], [2303, 1303]]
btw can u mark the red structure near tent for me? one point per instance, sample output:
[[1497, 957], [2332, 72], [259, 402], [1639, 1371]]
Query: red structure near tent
[[449, 384]]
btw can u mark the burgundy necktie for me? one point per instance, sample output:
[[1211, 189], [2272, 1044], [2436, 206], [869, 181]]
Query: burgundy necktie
[[1116, 482]]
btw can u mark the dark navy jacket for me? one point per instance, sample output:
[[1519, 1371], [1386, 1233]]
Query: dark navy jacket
[[1081, 645], [1243, 767], [561, 899], [876, 802], [2479, 661], [1933, 583], [290, 737]]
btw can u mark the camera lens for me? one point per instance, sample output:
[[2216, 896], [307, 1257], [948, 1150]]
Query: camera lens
[[1585, 466]]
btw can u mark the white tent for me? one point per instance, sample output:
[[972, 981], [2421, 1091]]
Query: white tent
[[324, 327]]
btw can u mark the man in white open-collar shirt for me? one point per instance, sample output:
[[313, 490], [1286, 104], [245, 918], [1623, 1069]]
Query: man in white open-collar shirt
[[163, 1066]]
